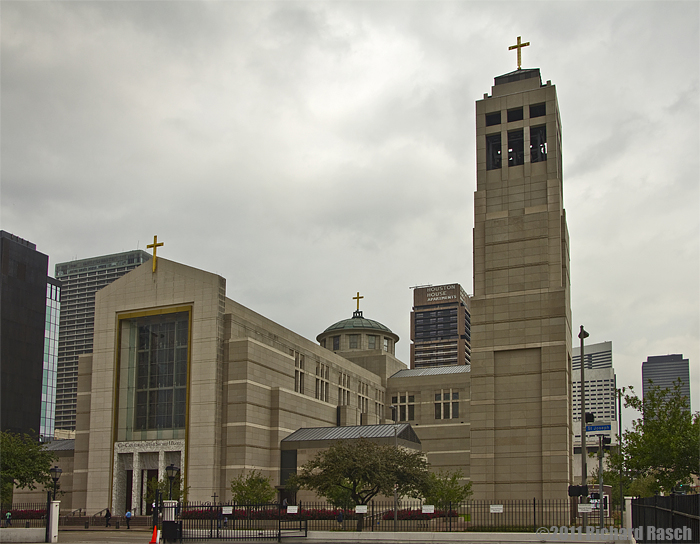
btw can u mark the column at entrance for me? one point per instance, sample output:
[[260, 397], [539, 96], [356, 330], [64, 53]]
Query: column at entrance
[[136, 484]]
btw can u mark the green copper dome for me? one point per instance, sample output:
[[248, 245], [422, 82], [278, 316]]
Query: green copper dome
[[357, 322]]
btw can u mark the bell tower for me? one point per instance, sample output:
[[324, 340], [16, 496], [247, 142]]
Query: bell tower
[[521, 422]]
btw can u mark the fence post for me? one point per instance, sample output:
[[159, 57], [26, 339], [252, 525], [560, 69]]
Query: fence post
[[534, 514], [673, 499], [47, 538], [279, 522]]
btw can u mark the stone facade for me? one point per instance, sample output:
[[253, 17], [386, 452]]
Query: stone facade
[[250, 383], [242, 383], [521, 430]]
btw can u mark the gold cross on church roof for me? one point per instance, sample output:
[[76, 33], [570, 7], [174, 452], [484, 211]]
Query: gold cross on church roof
[[155, 245], [357, 298], [519, 46]]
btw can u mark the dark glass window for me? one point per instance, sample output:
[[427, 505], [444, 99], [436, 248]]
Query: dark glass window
[[538, 143], [493, 119], [516, 148], [161, 377], [493, 151], [516, 114], [336, 342], [538, 110]]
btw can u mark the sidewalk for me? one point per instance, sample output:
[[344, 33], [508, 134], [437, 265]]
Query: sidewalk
[[142, 536]]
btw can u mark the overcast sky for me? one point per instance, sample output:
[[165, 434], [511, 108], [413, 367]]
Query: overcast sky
[[309, 150]]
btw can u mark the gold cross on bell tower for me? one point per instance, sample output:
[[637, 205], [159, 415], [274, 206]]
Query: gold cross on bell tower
[[357, 298], [155, 245], [519, 46]]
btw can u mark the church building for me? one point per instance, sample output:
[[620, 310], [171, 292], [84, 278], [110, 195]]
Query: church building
[[181, 374]]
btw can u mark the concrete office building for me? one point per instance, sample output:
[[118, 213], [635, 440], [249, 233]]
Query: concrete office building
[[601, 398], [521, 409], [23, 279], [440, 326], [601, 389], [48, 388], [81, 279]]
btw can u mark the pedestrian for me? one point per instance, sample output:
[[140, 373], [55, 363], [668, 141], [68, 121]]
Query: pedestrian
[[8, 519], [108, 516], [285, 503], [128, 518]]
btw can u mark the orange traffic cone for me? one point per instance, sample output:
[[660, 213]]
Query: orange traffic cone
[[154, 538]]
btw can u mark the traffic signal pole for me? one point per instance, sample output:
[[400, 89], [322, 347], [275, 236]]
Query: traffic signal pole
[[600, 479], [584, 450]]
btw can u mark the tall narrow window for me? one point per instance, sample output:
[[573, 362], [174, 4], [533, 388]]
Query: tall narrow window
[[538, 143], [336, 343], [516, 148], [493, 151], [446, 404], [371, 341], [161, 371], [353, 338], [298, 372], [406, 406]]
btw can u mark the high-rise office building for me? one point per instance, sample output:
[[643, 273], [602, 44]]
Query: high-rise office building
[[440, 326], [601, 390], [81, 280], [48, 388], [23, 274], [521, 425], [664, 371]]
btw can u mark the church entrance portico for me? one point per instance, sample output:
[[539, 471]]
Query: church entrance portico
[[135, 463]]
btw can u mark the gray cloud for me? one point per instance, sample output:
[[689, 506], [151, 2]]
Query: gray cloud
[[308, 150]]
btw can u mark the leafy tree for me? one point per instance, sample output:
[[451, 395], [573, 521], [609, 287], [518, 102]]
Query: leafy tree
[[445, 488], [24, 462], [340, 497], [164, 486], [364, 469], [252, 489], [664, 443]]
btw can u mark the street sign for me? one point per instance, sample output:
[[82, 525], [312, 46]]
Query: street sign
[[595, 428], [585, 508]]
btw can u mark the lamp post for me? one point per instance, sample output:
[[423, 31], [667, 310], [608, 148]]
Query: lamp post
[[172, 471], [395, 414], [584, 449], [55, 475]]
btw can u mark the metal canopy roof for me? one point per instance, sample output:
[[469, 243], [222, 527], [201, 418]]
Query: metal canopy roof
[[404, 431], [432, 371]]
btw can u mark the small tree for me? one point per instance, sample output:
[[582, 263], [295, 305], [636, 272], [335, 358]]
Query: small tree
[[364, 469], [665, 441], [252, 489], [445, 488], [164, 486], [24, 463]]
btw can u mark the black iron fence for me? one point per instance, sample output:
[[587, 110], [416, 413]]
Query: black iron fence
[[27, 515], [201, 521], [675, 518]]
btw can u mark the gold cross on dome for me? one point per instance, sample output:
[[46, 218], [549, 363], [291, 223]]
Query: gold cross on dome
[[357, 298], [519, 47], [155, 245]]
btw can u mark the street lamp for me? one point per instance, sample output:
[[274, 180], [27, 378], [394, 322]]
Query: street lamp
[[55, 475], [584, 446], [171, 470]]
